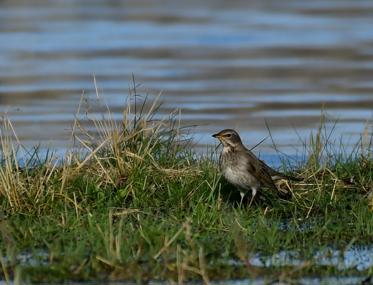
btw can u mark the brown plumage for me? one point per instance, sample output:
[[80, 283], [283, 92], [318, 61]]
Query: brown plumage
[[243, 169]]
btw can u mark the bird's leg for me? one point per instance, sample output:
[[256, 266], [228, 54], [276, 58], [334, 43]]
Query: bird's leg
[[253, 193], [242, 194]]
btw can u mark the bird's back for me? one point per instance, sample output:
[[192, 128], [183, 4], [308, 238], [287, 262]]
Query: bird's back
[[260, 170]]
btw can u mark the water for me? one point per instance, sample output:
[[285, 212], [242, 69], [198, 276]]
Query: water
[[359, 258], [225, 64]]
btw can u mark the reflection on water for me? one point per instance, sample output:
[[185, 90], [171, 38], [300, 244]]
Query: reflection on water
[[359, 258], [223, 63]]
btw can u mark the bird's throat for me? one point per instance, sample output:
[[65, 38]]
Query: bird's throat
[[227, 149]]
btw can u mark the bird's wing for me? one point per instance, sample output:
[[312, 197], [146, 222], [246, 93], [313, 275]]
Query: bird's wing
[[260, 170], [279, 175], [270, 170]]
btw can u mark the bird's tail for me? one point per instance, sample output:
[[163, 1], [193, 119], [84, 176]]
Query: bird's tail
[[275, 175], [290, 177]]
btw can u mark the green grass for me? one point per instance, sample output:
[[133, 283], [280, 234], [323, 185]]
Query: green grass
[[135, 203]]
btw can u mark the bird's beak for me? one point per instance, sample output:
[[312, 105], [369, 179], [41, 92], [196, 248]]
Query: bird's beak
[[215, 135]]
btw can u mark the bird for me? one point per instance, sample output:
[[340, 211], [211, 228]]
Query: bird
[[241, 168]]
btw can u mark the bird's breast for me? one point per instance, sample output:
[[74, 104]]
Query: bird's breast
[[234, 169], [232, 175]]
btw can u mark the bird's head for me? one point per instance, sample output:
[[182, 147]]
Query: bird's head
[[229, 138]]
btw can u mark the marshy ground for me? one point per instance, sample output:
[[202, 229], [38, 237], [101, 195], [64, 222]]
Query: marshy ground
[[132, 201]]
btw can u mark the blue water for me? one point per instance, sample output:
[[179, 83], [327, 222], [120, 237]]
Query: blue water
[[224, 64]]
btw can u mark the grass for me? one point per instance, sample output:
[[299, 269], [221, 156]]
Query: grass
[[131, 201]]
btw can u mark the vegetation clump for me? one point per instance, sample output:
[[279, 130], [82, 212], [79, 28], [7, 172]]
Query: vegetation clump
[[132, 201]]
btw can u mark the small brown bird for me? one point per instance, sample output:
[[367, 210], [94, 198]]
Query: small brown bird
[[243, 169]]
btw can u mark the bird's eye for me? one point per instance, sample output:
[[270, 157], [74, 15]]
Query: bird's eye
[[228, 135]]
